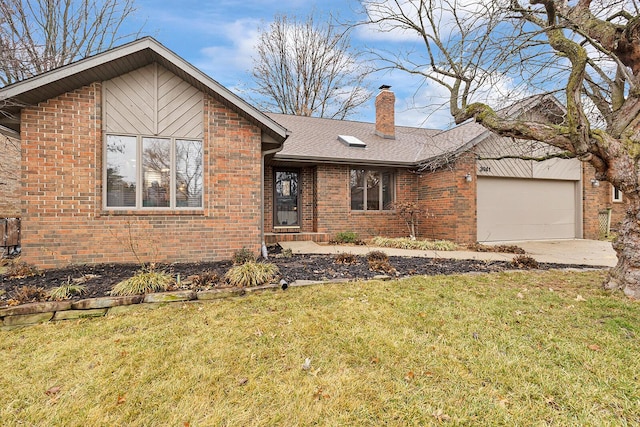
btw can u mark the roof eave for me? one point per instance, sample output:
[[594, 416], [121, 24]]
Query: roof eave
[[342, 161], [9, 132], [134, 54]]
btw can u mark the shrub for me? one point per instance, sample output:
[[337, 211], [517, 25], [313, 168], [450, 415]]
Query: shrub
[[20, 269], [524, 261], [345, 258], [66, 291], [143, 282], [377, 256], [251, 274], [27, 294], [242, 256], [409, 212], [347, 237], [205, 279], [381, 266], [405, 243]]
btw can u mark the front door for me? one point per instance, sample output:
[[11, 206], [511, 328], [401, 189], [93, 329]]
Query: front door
[[286, 198]]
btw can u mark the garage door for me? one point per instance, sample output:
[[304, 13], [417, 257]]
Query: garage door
[[526, 209]]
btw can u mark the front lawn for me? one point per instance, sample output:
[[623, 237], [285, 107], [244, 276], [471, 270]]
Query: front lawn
[[523, 348]]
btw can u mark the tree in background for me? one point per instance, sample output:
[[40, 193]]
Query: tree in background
[[308, 69], [39, 35], [585, 52]]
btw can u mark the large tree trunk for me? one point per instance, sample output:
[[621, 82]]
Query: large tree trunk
[[626, 275]]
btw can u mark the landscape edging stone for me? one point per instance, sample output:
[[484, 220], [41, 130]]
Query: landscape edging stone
[[41, 312]]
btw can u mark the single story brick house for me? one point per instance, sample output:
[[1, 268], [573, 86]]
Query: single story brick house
[[466, 180], [135, 155]]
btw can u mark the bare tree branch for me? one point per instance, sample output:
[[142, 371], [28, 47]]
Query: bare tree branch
[[587, 52], [308, 69], [39, 35]]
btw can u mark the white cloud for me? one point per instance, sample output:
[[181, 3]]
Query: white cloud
[[230, 60]]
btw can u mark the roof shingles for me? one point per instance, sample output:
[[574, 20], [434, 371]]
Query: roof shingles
[[315, 139]]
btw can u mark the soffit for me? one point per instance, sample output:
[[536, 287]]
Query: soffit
[[118, 61]]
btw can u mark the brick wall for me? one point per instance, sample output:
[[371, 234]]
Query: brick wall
[[333, 205], [596, 200], [9, 177], [385, 114], [449, 202], [63, 221]]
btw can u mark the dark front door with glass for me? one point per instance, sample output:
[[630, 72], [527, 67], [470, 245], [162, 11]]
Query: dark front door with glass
[[286, 212]]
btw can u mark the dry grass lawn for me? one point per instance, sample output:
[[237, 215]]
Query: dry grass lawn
[[539, 348]]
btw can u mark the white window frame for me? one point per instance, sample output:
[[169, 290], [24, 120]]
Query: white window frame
[[140, 177], [616, 194]]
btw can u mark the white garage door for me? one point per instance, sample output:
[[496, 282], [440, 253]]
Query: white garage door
[[526, 209]]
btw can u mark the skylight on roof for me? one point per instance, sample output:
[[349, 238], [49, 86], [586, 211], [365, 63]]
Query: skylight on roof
[[351, 141]]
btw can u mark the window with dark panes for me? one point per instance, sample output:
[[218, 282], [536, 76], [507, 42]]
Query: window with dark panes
[[616, 196], [372, 190]]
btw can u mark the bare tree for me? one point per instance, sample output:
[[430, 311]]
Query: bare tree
[[39, 35], [586, 52], [308, 69]]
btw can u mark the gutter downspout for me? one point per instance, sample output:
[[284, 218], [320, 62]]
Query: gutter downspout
[[263, 248]]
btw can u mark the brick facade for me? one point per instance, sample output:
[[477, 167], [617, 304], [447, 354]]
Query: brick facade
[[9, 177], [63, 220], [334, 205], [385, 114], [449, 202], [597, 201], [326, 204]]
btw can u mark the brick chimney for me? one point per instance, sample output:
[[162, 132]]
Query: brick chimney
[[385, 113]]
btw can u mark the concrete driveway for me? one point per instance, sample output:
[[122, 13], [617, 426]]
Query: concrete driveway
[[575, 251]]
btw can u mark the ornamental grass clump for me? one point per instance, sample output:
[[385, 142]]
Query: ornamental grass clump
[[66, 291], [407, 243], [251, 274], [144, 282]]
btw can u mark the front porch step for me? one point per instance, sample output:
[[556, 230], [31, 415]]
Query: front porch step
[[272, 238]]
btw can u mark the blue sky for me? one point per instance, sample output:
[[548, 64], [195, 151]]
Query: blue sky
[[218, 37]]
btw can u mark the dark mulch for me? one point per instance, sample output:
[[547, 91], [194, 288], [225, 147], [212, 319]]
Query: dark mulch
[[297, 267]]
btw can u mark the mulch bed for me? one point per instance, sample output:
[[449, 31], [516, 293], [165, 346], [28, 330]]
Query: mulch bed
[[297, 267]]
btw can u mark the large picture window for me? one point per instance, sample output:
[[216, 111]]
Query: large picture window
[[372, 190], [169, 175]]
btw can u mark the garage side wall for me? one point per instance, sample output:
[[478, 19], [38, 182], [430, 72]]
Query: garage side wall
[[598, 204], [64, 221]]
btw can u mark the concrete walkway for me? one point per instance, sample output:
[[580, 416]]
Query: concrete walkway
[[578, 251]]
